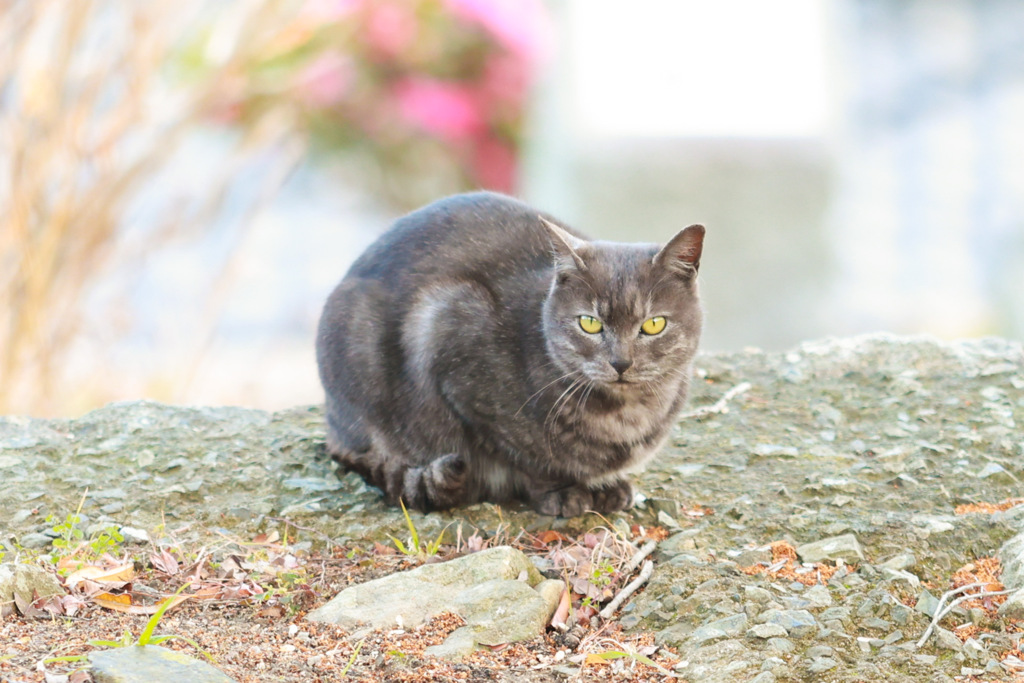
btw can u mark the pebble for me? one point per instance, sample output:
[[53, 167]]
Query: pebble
[[133, 535], [900, 562], [798, 623], [783, 645], [34, 539], [757, 594], [876, 623], [766, 631], [945, 640], [926, 603], [730, 627], [819, 651], [839, 613], [818, 596], [822, 664], [845, 547]]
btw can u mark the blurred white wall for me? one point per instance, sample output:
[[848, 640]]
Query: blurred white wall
[[859, 165]]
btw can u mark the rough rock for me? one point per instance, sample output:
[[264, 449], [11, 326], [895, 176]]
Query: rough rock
[[483, 588], [22, 584], [845, 547], [148, 663]]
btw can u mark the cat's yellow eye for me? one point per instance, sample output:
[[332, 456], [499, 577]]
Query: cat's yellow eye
[[653, 325], [590, 325]]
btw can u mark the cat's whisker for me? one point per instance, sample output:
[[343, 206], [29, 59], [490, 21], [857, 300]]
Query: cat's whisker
[[541, 390], [562, 401]]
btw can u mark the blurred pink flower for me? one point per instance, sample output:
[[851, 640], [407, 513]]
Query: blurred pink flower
[[325, 81], [494, 165], [505, 80], [390, 27], [522, 25], [447, 110]]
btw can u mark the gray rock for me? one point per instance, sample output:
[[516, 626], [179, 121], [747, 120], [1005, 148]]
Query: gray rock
[[675, 635], [729, 627], [724, 661], [35, 540], [764, 677], [818, 596], [133, 535], [899, 562], [148, 663], [482, 588], [783, 645], [678, 543], [945, 640], [1013, 608], [1011, 555], [819, 651], [845, 547], [757, 594], [766, 631], [822, 664], [926, 603], [21, 584], [901, 614], [973, 649], [838, 613], [798, 623], [875, 623]]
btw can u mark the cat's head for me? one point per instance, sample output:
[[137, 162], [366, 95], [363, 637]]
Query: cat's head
[[624, 316]]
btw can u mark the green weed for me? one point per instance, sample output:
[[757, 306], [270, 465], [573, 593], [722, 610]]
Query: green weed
[[415, 548]]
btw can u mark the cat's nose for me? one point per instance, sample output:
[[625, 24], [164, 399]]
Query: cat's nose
[[621, 365]]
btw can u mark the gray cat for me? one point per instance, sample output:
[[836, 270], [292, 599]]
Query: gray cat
[[479, 351]]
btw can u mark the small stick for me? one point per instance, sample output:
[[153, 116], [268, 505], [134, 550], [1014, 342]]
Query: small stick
[[628, 590], [721, 405], [941, 612], [639, 557]]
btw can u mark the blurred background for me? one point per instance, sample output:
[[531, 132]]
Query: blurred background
[[183, 182]]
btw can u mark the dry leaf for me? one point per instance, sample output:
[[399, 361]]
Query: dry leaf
[[550, 536], [165, 562], [122, 574], [561, 612], [271, 613], [123, 603]]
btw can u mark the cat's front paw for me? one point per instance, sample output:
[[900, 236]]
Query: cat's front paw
[[613, 498], [571, 501]]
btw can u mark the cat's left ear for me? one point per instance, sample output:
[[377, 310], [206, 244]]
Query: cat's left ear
[[565, 243], [682, 253]]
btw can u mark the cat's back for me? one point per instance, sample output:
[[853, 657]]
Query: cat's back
[[473, 235]]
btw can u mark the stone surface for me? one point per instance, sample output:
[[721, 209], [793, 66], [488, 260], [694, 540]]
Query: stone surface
[[149, 663], [877, 438]]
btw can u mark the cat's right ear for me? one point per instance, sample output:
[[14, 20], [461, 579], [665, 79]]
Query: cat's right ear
[[682, 253], [566, 245]]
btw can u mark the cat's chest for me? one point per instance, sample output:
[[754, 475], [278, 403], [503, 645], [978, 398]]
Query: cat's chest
[[638, 421]]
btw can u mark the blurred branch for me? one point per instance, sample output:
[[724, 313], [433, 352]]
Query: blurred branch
[[88, 116]]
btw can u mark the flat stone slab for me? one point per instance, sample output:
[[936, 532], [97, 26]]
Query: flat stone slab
[[149, 663], [498, 591]]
